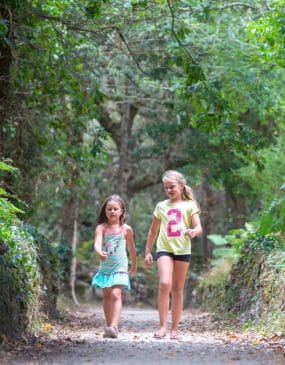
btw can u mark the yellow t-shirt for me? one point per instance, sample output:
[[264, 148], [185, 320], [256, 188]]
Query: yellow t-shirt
[[175, 219]]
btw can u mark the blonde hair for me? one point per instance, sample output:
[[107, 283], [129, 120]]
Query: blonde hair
[[187, 192]]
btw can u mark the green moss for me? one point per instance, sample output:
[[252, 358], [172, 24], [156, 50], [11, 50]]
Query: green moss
[[253, 289], [28, 284], [212, 285]]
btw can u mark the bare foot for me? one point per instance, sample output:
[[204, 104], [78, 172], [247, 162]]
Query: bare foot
[[161, 333], [174, 336]]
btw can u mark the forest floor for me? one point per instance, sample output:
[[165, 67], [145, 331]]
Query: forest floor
[[77, 339]]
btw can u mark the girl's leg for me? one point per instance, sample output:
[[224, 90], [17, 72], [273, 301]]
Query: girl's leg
[[112, 303], [107, 305], [165, 269], [116, 299], [180, 269]]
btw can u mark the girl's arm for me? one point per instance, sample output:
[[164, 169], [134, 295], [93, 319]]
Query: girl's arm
[[99, 232], [131, 249], [152, 233], [196, 229]]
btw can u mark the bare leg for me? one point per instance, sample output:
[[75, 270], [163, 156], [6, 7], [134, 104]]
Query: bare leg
[[165, 268], [107, 305], [116, 298], [180, 269]]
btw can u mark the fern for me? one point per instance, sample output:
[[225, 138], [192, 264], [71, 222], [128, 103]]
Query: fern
[[8, 211], [273, 219]]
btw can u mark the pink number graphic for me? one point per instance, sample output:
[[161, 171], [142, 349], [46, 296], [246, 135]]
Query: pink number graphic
[[171, 231]]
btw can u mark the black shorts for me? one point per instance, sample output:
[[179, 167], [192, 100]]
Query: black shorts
[[185, 258]]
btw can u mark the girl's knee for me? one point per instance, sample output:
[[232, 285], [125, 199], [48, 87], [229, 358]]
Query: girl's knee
[[165, 287], [116, 294], [177, 292]]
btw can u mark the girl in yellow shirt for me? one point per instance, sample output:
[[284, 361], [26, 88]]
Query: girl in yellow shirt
[[175, 221]]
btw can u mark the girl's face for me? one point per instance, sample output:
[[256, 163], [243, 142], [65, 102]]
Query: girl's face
[[113, 211], [173, 189]]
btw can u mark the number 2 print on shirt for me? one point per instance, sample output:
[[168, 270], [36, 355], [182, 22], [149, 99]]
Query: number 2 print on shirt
[[174, 225]]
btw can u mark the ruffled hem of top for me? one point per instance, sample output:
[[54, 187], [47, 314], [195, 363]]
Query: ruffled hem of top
[[102, 280]]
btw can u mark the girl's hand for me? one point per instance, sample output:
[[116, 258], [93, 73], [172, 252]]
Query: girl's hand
[[102, 255], [197, 228], [148, 259], [191, 233], [133, 271]]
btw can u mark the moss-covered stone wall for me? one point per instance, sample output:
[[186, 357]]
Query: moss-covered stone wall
[[254, 288], [28, 280]]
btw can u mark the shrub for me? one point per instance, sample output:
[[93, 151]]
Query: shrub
[[28, 284]]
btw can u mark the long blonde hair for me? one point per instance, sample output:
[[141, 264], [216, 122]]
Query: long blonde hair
[[187, 192]]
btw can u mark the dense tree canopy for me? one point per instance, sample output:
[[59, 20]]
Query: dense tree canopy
[[103, 96]]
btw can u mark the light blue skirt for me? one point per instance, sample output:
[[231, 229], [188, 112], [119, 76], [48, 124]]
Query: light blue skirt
[[102, 280]]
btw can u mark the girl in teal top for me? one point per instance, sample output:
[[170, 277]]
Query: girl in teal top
[[112, 238]]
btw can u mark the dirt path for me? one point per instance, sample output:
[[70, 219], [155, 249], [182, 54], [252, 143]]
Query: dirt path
[[78, 340]]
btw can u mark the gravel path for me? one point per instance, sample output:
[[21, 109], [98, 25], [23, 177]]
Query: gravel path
[[78, 340]]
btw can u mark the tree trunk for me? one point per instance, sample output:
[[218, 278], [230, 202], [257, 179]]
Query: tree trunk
[[125, 149], [207, 218], [68, 217], [237, 210], [5, 64], [73, 260]]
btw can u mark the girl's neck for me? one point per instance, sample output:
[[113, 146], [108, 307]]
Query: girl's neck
[[113, 225], [113, 228], [178, 200]]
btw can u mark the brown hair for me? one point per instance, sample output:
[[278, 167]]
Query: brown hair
[[102, 218], [187, 192]]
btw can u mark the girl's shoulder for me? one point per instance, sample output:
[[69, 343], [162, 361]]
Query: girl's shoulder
[[101, 227], [162, 203], [126, 229], [193, 206]]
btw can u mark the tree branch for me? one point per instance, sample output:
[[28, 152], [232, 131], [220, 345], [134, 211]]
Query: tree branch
[[109, 125], [129, 49], [81, 29], [68, 24], [193, 62], [231, 5], [175, 34], [153, 177]]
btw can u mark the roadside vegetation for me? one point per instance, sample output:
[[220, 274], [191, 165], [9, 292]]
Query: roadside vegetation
[[101, 97]]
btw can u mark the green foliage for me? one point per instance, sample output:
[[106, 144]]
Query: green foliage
[[94, 8], [28, 279], [228, 247], [197, 77], [3, 32], [14, 4], [64, 140], [252, 289], [264, 243], [145, 282], [87, 259], [8, 211], [20, 257], [273, 218], [7, 167], [269, 32], [211, 288], [264, 183], [63, 252], [23, 258]]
